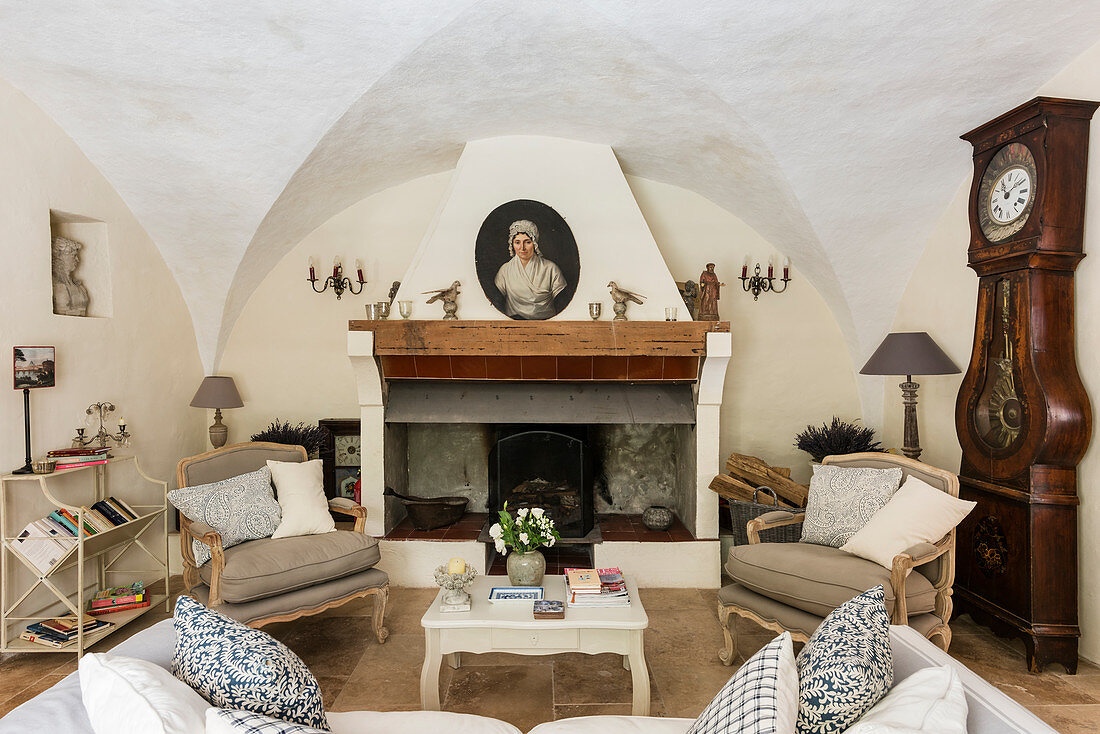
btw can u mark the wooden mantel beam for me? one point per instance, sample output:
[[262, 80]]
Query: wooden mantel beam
[[540, 338]]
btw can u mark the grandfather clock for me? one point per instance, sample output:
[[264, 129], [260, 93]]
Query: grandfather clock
[[1022, 415]]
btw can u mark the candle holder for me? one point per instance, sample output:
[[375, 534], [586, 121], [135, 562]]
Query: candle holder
[[595, 310], [100, 410], [337, 280], [406, 308], [757, 283], [455, 598]]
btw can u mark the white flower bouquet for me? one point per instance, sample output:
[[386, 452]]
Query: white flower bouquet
[[529, 530]]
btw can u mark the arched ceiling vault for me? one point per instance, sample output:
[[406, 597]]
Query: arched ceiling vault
[[234, 129]]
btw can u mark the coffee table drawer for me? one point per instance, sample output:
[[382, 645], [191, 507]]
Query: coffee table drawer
[[511, 639]]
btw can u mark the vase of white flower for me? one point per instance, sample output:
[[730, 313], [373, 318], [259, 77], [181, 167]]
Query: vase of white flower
[[524, 534]]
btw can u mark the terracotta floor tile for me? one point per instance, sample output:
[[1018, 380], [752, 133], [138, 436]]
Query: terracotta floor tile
[[497, 690]]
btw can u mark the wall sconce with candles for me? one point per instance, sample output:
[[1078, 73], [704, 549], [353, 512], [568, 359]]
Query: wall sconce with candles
[[100, 411], [757, 283], [337, 280]]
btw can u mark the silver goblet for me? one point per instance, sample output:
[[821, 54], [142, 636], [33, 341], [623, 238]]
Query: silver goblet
[[595, 310]]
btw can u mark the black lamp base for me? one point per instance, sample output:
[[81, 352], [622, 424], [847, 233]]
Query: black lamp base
[[26, 468]]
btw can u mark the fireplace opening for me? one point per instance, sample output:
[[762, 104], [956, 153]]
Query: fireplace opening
[[548, 468]]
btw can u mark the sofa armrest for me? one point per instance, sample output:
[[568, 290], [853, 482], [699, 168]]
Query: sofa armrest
[[905, 562], [207, 535], [344, 506], [203, 533], [773, 519]]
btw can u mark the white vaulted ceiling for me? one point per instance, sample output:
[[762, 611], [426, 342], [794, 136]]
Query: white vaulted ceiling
[[234, 129]]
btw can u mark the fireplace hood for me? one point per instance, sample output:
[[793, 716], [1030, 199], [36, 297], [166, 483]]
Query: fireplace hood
[[535, 402]]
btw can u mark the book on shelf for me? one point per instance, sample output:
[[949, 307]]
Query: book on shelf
[[60, 631], [64, 453], [63, 520], [42, 639], [121, 508], [96, 520], [39, 547], [118, 595], [89, 529], [105, 508], [78, 464], [120, 608]]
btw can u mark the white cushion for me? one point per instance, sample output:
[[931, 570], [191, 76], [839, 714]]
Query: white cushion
[[842, 499], [611, 725], [917, 513], [300, 489], [930, 701], [418, 722], [234, 721], [123, 695], [760, 698]]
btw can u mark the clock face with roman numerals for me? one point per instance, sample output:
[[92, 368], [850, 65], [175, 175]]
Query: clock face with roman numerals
[[1007, 192]]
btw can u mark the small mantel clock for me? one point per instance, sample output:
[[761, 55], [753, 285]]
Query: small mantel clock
[[1022, 415]]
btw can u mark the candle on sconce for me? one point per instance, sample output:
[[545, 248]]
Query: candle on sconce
[[771, 267], [336, 267], [787, 269], [312, 272], [122, 422], [745, 268], [359, 270]]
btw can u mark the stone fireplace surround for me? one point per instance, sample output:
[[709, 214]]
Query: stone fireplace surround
[[543, 353]]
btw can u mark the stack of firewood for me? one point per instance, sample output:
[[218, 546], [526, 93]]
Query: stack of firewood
[[746, 473]]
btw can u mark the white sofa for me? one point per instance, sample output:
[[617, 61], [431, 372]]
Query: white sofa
[[60, 708]]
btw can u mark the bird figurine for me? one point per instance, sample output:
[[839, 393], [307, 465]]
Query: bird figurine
[[621, 297], [449, 296]]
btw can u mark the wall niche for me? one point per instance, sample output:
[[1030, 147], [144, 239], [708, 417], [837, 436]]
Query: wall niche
[[80, 270]]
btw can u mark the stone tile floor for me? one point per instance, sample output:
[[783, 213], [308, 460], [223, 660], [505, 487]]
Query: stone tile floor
[[682, 642]]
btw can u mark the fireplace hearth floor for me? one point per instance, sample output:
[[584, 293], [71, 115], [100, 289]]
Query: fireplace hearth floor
[[616, 528]]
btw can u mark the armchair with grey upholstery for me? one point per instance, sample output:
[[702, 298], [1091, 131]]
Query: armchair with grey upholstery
[[793, 586], [278, 579]]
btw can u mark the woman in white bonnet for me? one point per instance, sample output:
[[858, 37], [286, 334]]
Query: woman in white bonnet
[[529, 282]]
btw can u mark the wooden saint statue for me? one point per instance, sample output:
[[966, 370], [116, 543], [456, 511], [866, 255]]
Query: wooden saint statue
[[709, 293]]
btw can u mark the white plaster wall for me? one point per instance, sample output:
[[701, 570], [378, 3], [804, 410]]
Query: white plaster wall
[[790, 365], [941, 299], [584, 184], [143, 358]]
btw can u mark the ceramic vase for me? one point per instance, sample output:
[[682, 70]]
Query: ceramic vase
[[657, 517], [526, 569]]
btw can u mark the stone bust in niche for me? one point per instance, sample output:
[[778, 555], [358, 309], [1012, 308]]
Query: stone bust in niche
[[70, 297]]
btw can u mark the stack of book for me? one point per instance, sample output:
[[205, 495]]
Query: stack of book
[[60, 631], [591, 587], [73, 458], [119, 599], [43, 542]]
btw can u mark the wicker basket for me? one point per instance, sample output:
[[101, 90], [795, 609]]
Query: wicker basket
[[742, 512]]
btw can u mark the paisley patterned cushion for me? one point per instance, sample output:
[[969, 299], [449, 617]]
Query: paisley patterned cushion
[[240, 508], [234, 666], [842, 499], [847, 665]]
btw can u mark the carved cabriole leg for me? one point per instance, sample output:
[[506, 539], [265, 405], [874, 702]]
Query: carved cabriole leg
[[726, 655], [381, 596], [941, 637], [217, 565]]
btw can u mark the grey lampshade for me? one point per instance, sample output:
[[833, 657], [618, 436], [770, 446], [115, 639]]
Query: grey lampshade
[[217, 392], [909, 353]]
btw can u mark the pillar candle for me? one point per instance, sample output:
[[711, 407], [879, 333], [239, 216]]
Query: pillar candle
[[456, 565], [770, 268], [787, 269], [312, 274], [359, 270], [336, 267]]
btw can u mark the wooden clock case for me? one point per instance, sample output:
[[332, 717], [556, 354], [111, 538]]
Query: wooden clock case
[[1017, 560]]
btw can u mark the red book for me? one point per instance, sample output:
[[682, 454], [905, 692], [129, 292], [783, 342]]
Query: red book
[[123, 608], [82, 463], [117, 601]]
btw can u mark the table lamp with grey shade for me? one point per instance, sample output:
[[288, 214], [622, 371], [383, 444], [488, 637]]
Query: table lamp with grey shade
[[217, 392], [909, 353]]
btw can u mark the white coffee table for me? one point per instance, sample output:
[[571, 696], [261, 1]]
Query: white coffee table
[[509, 627]]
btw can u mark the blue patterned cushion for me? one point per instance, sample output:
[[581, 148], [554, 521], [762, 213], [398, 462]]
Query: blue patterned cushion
[[234, 666], [847, 665], [760, 698], [240, 508], [246, 722], [842, 499]]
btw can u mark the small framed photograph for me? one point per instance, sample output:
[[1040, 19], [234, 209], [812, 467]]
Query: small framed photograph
[[33, 367], [515, 593]]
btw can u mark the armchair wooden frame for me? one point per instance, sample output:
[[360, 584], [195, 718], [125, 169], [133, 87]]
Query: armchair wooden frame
[[903, 563], [200, 531]]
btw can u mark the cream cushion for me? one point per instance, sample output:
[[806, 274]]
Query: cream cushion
[[124, 695], [930, 701], [917, 513], [300, 489]]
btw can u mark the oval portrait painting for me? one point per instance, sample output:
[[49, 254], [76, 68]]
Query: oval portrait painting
[[527, 260]]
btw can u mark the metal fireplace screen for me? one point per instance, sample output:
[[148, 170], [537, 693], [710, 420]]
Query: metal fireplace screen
[[548, 469]]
